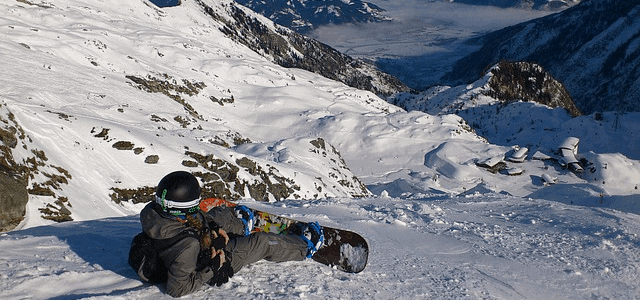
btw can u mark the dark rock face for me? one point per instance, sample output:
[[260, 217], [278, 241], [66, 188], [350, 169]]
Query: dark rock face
[[516, 81], [13, 201]]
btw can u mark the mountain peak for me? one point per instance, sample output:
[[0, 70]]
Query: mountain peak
[[523, 81]]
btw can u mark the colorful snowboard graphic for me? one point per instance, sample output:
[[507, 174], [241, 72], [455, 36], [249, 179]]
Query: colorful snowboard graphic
[[344, 250]]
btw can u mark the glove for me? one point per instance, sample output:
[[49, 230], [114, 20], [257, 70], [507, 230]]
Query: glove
[[219, 237], [221, 267]]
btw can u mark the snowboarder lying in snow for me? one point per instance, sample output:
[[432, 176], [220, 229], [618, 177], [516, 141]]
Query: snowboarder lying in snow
[[197, 247]]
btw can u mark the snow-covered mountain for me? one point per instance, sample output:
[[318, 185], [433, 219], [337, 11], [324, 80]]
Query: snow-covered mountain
[[304, 16], [177, 91], [100, 99], [591, 47], [293, 50], [175, 82]]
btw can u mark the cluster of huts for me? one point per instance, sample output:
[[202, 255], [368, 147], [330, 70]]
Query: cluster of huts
[[565, 156]]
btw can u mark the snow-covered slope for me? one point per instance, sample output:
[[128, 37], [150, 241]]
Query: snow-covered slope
[[434, 247], [100, 99], [605, 139], [112, 97]]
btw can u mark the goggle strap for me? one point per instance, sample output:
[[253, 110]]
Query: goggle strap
[[174, 204]]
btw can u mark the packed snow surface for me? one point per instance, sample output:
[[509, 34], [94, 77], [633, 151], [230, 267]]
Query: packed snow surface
[[439, 225], [436, 247]]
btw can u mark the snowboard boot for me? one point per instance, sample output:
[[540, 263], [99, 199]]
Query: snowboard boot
[[313, 234], [245, 214]]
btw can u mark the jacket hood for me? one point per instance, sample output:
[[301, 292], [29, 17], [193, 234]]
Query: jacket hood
[[156, 225]]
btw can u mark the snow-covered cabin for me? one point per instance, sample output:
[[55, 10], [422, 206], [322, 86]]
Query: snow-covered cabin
[[519, 155], [568, 150]]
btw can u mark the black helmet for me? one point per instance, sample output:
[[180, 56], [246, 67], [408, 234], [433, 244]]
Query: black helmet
[[178, 193]]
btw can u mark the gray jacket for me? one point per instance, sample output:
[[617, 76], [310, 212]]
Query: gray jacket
[[181, 258]]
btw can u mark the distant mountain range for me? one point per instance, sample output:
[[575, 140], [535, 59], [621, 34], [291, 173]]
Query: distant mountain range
[[530, 4], [304, 16], [592, 47]]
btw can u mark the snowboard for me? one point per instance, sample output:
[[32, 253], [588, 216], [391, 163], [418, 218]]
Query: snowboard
[[343, 249]]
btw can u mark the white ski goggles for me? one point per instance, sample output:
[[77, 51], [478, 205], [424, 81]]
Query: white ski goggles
[[179, 208]]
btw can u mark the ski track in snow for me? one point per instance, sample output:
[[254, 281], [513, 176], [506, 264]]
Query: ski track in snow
[[482, 246]]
